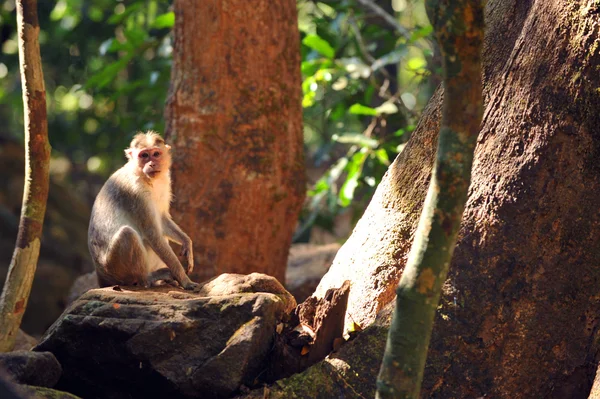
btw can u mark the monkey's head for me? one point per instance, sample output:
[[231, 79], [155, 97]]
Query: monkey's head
[[149, 154]]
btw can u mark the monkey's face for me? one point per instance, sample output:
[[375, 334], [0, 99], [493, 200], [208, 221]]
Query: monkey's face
[[149, 155], [152, 161]]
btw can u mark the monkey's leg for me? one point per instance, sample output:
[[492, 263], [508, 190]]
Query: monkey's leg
[[126, 259], [163, 274]]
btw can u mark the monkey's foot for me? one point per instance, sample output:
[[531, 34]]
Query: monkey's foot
[[161, 277], [191, 286], [163, 282]]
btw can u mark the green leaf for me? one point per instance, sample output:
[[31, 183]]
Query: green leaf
[[319, 44], [166, 20], [420, 33], [108, 74], [309, 68], [354, 138], [359, 109], [59, 10], [320, 186], [337, 112], [308, 100], [118, 18], [382, 156], [127, 89], [112, 46], [369, 92], [135, 36], [347, 192], [326, 182], [416, 63], [354, 171], [337, 169]]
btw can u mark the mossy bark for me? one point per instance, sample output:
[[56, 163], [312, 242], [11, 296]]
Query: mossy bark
[[17, 287], [459, 28], [234, 117], [519, 313]]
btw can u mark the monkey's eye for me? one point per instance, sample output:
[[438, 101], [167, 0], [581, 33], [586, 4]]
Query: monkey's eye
[[144, 155], [156, 154]]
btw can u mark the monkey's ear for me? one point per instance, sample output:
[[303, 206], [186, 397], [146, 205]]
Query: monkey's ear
[[128, 153], [168, 147]]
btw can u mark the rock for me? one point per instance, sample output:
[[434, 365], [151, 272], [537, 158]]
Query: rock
[[32, 368], [8, 388], [229, 283], [307, 264], [224, 284], [81, 285], [24, 341], [46, 393], [120, 342], [350, 373]]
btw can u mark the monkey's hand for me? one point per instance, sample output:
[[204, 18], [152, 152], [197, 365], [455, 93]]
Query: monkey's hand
[[188, 253]]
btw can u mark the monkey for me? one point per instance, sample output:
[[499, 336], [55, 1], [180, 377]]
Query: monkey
[[130, 225]]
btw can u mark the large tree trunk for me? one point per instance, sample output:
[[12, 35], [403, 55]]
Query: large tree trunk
[[15, 293], [234, 116], [519, 316]]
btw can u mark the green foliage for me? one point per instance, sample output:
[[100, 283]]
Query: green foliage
[[320, 45], [364, 84], [107, 69]]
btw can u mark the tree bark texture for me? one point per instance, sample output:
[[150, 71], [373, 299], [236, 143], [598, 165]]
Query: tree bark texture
[[234, 117], [459, 29], [519, 311], [17, 286]]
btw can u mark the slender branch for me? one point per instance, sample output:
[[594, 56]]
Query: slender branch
[[382, 88], [17, 287], [459, 28], [390, 20], [361, 43]]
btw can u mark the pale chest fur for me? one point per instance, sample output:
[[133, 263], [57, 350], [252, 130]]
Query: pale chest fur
[[160, 195]]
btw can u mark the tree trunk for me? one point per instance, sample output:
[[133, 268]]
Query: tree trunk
[[519, 313], [234, 117], [17, 287], [459, 29]]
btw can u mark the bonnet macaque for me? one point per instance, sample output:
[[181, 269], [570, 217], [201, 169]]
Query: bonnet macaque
[[130, 224]]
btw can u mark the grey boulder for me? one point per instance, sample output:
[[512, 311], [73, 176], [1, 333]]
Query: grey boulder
[[122, 342], [31, 368]]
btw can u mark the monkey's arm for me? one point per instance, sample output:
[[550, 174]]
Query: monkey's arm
[[151, 234], [166, 254], [175, 234]]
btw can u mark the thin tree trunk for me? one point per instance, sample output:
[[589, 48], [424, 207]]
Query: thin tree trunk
[[459, 28], [234, 117], [17, 287]]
